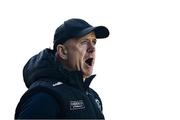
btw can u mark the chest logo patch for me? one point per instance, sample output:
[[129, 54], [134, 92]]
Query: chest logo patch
[[75, 105]]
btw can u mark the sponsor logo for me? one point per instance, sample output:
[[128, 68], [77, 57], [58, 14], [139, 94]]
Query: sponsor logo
[[98, 104], [56, 84], [75, 105]]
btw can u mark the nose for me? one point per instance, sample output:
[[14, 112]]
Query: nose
[[91, 48]]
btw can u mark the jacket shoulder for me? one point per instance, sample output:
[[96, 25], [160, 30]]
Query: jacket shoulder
[[38, 97], [94, 93]]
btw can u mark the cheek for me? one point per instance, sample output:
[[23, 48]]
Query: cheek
[[81, 52], [76, 57]]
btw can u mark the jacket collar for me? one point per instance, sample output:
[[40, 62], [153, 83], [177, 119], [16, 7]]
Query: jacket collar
[[75, 78]]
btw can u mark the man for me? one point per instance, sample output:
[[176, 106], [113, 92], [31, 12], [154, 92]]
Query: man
[[58, 80]]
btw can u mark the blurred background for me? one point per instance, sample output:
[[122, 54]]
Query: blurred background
[[137, 66]]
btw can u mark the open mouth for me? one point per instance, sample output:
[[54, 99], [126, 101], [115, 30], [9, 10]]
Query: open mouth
[[89, 61]]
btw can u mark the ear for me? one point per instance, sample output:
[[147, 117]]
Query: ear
[[62, 51]]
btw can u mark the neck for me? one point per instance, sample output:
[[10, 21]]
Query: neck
[[85, 77]]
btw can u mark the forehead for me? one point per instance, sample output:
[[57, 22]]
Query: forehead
[[89, 35]]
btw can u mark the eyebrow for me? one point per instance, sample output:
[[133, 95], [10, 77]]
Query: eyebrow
[[86, 39]]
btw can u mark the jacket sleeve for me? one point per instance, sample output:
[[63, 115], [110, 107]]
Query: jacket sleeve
[[39, 106]]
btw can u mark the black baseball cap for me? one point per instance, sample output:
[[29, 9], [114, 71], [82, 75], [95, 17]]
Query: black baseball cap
[[74, 28]]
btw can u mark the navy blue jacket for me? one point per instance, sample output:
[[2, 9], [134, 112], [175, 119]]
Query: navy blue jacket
[[55, 93]]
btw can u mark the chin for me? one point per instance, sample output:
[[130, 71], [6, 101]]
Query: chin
[[87, 74], [87, 71]]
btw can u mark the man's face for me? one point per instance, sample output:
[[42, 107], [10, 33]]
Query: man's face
[[81, 54]]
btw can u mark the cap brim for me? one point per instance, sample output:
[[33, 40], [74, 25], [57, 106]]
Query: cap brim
[[100, 32]]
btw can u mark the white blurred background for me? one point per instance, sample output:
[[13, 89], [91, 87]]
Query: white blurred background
[[137, 66]]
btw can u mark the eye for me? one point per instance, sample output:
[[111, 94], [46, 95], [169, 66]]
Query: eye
[[94, 42], [84, 42]]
